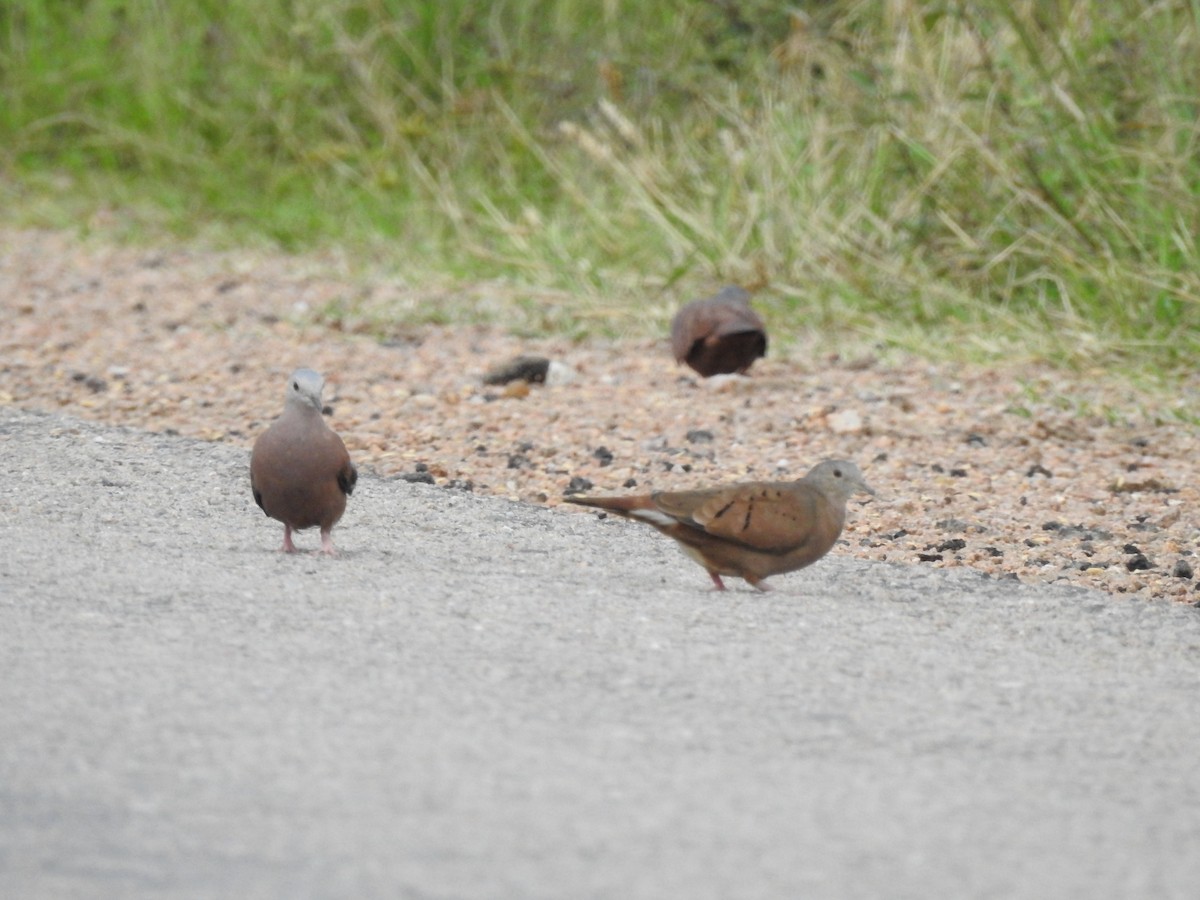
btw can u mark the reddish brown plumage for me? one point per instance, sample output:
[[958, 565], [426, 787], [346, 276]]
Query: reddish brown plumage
[[300, 472], [750, 530], [719, 335]]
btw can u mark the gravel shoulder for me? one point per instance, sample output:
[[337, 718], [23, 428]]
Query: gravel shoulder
[[1025, 473], [485, 698]]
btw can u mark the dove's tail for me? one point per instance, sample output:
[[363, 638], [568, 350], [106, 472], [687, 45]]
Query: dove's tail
[[639, 506], [621, 505]]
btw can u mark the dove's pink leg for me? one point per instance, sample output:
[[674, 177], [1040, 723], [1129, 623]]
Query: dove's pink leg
[[288, 546], [327, 544], [716, 577], [757, 583]]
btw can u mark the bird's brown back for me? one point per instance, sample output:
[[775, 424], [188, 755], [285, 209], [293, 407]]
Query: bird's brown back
[[756, 529], [719, 335]]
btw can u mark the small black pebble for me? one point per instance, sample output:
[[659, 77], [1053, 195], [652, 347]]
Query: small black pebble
[[630, 482], [524, 368], [518, 461], [896, 534], [958, 473], [603, 455], [993, 551], [936, 468], [929, 557], [419, 477], [327, 410], [699, 436], [1131, 548], [420, 467], [953, 544], [459, 484], [976, 440], [95, 384], [1138, 563], [1183, 569], [525, 446], [578, 484], [1038, 469], [1052, 526]]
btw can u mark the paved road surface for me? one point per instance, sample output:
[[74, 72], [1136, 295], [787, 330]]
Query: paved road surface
[[483, 699]]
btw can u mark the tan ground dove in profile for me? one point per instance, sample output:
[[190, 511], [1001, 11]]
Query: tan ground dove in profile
[[752, 529], [719, 335], [300, 472]]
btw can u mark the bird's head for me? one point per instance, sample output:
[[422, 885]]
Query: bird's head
[[304, 388]]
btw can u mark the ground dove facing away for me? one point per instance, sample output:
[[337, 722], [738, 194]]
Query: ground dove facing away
[[752, 529], [719, 335], [300, 472]]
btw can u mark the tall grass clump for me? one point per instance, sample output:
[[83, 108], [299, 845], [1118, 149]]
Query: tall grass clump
[[979, 177]]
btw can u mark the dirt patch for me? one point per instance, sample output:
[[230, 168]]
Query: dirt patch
[[1024, 473]]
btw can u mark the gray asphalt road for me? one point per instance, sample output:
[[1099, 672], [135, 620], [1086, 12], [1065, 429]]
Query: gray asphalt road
[[483, 699]]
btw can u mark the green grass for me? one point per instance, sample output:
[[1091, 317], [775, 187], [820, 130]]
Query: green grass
[[962, 179]]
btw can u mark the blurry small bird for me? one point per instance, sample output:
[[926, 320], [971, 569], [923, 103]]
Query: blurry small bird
[[720, 334]]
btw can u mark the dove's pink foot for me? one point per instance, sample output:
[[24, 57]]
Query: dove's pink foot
[[327, 544], [288, 546], [716, 577]]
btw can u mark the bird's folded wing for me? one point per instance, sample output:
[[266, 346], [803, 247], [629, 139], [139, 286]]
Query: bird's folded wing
[[692, 324], [768, 517], [347, 477], [737, 321]]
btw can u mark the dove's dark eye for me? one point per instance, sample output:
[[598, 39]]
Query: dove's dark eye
[[837, 473], [295, 385]]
